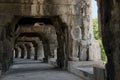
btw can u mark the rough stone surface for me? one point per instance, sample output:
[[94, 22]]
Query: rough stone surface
[[109, 22], [40, 51], [19, 52], [85, 69], [70, 14], [76, 33], [99, 73], [95, 53]]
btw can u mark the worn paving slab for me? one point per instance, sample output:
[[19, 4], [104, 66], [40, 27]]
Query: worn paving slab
[[35, 70]]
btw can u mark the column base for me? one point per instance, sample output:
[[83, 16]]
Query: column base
[[52, 60], [35, 57], [32, 57], [45, 60], [74, 59], [22, 57], [28, 58], [40, 59]]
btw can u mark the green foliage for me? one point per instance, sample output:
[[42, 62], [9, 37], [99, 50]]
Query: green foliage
[[95, 29], [97, 37], [103, 55]]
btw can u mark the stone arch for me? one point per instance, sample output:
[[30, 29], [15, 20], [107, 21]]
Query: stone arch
[[45, 20]]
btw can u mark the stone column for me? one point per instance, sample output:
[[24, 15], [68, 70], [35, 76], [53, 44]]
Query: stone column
[[25, 53], [53, 55], [52, 50], [94, 51], [109, 22], [36, 51], [46, 51], [2, 36], [22, 51], [16, 53], [28, 51], [84, 47], [77, 37], [32, 51], [74, 56], [19, 52], [40, 51], [35, 56], [61, 55], [7, 54], [1, 55]]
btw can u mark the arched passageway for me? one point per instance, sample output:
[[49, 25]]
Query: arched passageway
[[65, 29]]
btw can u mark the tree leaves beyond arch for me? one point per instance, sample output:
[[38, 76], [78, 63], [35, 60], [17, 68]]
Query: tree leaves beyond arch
[[97, 37]]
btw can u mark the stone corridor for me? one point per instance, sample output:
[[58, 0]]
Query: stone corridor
[[26, 69], [60, 32]]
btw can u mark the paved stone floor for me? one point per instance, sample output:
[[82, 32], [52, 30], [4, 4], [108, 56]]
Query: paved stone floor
[[35, 70]]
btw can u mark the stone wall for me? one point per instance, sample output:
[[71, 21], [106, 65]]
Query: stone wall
[[109, 21], [75, 14]]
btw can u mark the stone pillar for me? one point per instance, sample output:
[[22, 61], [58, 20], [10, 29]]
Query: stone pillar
[[28, 47], [22, 51], [77, 36], [84, 50], [94, 51], [13, 53], [99, 73], [74, 56], [61, 56], [25, 53], [19, 52], [36, 51], [52, 48], [16, 53], [40, 51], [7, 54], [1, 55], [109, 22], [32, 51], [46, 51], [53, 55]]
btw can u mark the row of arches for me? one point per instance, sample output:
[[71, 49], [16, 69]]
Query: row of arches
[[27, 50], [54, 35], [31, 40]]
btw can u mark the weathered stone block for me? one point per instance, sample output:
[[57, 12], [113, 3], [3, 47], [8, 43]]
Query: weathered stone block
[[94, 51], [83, 69], [99, 73], [20, 1], [76, 33], [57, 2]]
